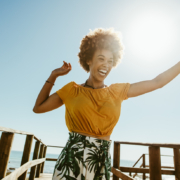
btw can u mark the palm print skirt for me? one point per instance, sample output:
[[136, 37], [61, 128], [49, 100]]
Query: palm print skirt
[[83, 158]]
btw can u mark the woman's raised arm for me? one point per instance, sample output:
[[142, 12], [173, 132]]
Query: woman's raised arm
[[44, 102], [161, 80]]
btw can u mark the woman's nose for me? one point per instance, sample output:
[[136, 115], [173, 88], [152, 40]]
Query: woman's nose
[[105, 64]]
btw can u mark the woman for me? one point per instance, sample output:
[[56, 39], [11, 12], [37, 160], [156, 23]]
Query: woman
[[93, 108]]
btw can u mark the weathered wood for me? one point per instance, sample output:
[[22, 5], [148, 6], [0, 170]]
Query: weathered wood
[[136, 163], [144, 170], [167, 145], [144, 165], [177, 162], [169, 167], [51, 159], [44, 155], [35, 156], [120, 174], [136, 173], [14, 175], [18, 132], [5, 149], [154, 163], [116, 159], [44, 176], [40, 156], [134, 169], [26, 154], [55, 146], [14, 131], [38, 140]]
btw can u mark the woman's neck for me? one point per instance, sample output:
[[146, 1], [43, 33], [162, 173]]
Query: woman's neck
[[94, 84]]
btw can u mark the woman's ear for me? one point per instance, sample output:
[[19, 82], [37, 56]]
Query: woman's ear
[[88, 62]]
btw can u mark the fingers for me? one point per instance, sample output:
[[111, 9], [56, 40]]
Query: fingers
[[67, 65]]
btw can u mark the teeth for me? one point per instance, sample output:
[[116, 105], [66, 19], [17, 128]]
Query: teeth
[[102, 74], [103, 71]]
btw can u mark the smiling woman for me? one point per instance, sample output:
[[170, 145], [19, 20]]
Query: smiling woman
[[93, 110], [152, 35]]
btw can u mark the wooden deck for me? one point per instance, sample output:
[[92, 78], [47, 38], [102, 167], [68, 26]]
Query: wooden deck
[[45, 176]]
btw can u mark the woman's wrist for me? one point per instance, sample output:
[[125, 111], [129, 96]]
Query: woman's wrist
[[52, 78]]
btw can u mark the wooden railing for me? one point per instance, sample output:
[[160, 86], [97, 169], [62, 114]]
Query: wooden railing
[[143, 157], [154, 169], [39, 154]]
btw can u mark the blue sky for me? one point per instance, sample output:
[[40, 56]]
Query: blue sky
[[35, 38]]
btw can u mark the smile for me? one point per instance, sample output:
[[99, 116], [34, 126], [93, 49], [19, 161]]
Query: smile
[[102, 74]]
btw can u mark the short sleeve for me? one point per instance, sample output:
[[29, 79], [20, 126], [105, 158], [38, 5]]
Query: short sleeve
[[125, 90], [64, 91], [121, 90]]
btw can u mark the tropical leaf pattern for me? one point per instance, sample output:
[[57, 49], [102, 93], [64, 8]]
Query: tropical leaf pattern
[[83, 158]]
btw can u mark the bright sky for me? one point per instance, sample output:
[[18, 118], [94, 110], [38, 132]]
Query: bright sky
[[35, 38]]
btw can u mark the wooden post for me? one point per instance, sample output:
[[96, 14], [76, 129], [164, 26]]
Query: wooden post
[[5, 149], [177, 163], [35, 156], [39, 165], [44, 155], [116, 158], [26, 154], [154, 163], [144, 165]]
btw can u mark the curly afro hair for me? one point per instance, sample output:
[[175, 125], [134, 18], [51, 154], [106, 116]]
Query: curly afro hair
[[100, 39]]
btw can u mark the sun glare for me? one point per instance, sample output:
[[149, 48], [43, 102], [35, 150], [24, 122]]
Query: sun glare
[[152, 36]]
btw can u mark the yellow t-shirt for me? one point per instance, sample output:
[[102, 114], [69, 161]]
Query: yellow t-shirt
[[93, 111]]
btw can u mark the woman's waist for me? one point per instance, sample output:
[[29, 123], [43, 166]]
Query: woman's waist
[[107, 138]]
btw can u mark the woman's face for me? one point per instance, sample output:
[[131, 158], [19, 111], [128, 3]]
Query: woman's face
[[101, 64]]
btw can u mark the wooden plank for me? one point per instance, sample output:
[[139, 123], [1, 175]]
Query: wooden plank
[[120, 174], [44, 155], [44, 176], [18, 132], [116, 159], [133, 169], [35, 156], [169, 167], [136, 163], [144, 165], [167, 145], [144, 170], [55, 146], [14, 131], [177, 162], [39, 165], [18, 172], [154, 163], [26, 154], [136, 173], [5, 149], [38, 140], [51, 159]]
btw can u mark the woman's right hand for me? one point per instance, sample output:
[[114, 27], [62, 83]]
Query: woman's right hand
[[63, 70]]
